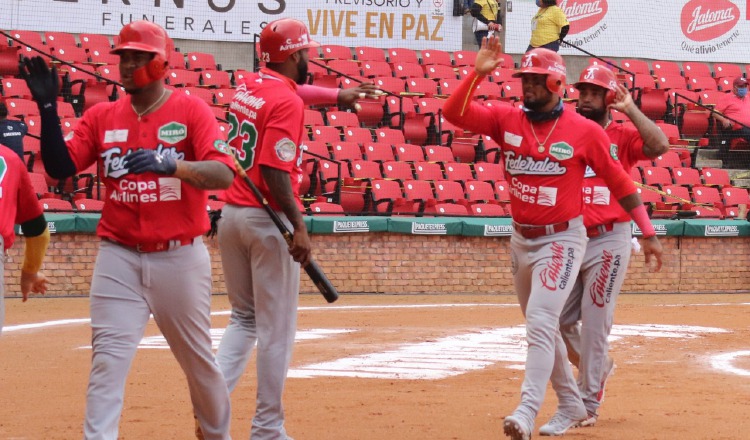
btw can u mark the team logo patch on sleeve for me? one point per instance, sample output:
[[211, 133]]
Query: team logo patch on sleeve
[[222, 147], [561, 150], [69, 136], [613, 151], [172, 133], [286, 150]]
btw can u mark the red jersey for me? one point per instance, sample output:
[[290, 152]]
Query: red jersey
[[736, 108], [544, 182], [266, 120], [149, 208], [18, 201], [600, 208]]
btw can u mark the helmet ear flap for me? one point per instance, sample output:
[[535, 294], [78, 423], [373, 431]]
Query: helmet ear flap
[[609, 98], [554, 83], [157, 68]]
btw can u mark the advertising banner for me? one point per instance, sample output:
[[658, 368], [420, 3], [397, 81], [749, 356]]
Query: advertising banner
[[694, 30]]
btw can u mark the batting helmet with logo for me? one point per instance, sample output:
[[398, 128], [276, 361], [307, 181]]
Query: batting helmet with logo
[[601, 76], [544, 62], [146, 37], [283, 37]]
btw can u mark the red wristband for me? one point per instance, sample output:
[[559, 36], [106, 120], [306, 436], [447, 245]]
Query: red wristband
[[640, 217]]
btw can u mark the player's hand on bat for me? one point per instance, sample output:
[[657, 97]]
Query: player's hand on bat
[[34, 282], [488, 57], [349, 97], [652, 248], [301, 248], [143, 161], [42, 81]]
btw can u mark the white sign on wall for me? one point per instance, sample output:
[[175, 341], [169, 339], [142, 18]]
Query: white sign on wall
[[415, 24]]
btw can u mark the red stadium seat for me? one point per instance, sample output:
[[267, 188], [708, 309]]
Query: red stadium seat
[[501, 74], [452, 209], [676, 194], [313, 117], [436, 56], [387, 197], [489, 172], [326, 208], [478, 191], [419, 191], [95, 41], [335, 52], [389, 135], [201, 61], [408, 152], [30, 38], [325, 133], [656, 176], [422, 86], [365, 53], [696, 68], [85, 204], [342, 119], [39, 183], [346, 67], [438, 153], [204, 94], [224, 97], [9, 60], [488, 210], [390, 84], [55, 205], [706, 194], [365, 169], [428, 171], [635, 66], [357, 134], [686, 176], [702, 83], [183, 78], [397, 170], [401, 55], [668, 82], [407, 70], [460, 172], [662, 68], [669, 159], [217, 79], [15, 88], [372, 69], [378, 151], [345, 151], [440, 71], [726, 69], [18, 107], [734, 196], [715, 177], [464, 57], [502, 192]]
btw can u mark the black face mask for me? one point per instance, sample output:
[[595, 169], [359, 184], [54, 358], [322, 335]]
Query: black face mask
[[537, 116]]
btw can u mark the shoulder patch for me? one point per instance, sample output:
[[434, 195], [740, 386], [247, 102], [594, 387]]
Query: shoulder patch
[[613, 151], [172, 133], [286, 150], [222, 147]]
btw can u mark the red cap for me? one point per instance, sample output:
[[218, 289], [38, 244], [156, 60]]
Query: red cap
[[740, 82]]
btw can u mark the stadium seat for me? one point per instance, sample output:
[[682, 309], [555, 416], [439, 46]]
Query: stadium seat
[[648, 196], [460, 172], [15, 88], [464, 57], [653, 103], [438, 153], [360, 135], [18, 107], [725, 83], [399, 55], [201, 61], [342, 119], [387, 197], [711, 97], [676, 194], [365, 53], [39, 184], [667, 82], [9, 60], [715, 177], [670, 159], [448, 86], [408, 152], [452, 209], [26, 38], [422, 86], [733, 196], [488, 210], [326, 208], [656, 176], [71, 54], [686, 176], [347, 67], [372, 69], [183, 78], [49, 204], [205, 95], [365, 169], [390, 84], [727, 69], [59, 39], [696, 68], [371, 111], [397, 170], [177, 61], [335, 52], [318, 148], [390, 136], [419, 191], [85, 204], [224, 97], [502, 193], [312, 117], [635, 66], [378, 151], [217, 79], [428, 171], [345, 151], [662, 68], [478, 191], [571, 92], [465, 148], [408, 70], [440, 71], [707, 194], [694, 124], [325, 133], [635, 175], [512, 90], [102, 57], [489, 172], [500, 75], [436, 56], [702, 83]]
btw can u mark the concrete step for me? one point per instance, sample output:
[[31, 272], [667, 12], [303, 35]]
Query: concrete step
[[707, 153], [707, 163]]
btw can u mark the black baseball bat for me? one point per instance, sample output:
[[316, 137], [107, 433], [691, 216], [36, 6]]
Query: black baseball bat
[[317, 276]]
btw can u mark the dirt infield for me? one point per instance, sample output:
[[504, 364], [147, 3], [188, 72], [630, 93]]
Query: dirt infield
[[379, 367]]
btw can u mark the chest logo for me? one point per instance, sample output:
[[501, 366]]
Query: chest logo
[[561, 150], [172, 133]]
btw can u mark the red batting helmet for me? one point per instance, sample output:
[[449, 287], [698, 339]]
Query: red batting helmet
[[601, 76], [544, 62], [146, 37], [283, 37]]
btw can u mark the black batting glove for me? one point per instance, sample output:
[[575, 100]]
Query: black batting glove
[[43, 82], [145, 161]]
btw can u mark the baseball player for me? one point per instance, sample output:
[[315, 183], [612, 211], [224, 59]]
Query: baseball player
[[262, 273], [545, 151], [608, 227], [160, 151], [19, 205]]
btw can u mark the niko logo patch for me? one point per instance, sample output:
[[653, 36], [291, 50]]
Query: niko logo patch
[[561, 151], [172, 133], [613, 151]]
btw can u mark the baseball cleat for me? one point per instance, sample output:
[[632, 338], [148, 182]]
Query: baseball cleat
[[590, 420], [513, 428], [559, 424]]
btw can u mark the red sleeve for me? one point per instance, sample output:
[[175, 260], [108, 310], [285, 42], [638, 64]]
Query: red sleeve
[[28, 205], [461, 110], [601, 161], [206, 137], [278, 147], [632, 148], [315, 95]]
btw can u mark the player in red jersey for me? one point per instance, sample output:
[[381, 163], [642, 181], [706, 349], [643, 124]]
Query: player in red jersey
[[545, 151], [159, 151], [261, 271], [605, 262], [19, 205]]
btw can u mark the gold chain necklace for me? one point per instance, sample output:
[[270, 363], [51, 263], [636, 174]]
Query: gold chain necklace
[[163, 92], [541, 144]]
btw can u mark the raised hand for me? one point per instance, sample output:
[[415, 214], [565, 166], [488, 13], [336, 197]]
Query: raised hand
[[488, 57], [144, 161], [623, 99], [42, 81]]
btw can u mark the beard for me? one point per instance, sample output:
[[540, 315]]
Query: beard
[[302, 72], [592, 114], [534, 105]]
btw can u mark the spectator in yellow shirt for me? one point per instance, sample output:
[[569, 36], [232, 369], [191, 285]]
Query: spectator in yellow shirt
[[487, 18], [549, 26]]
